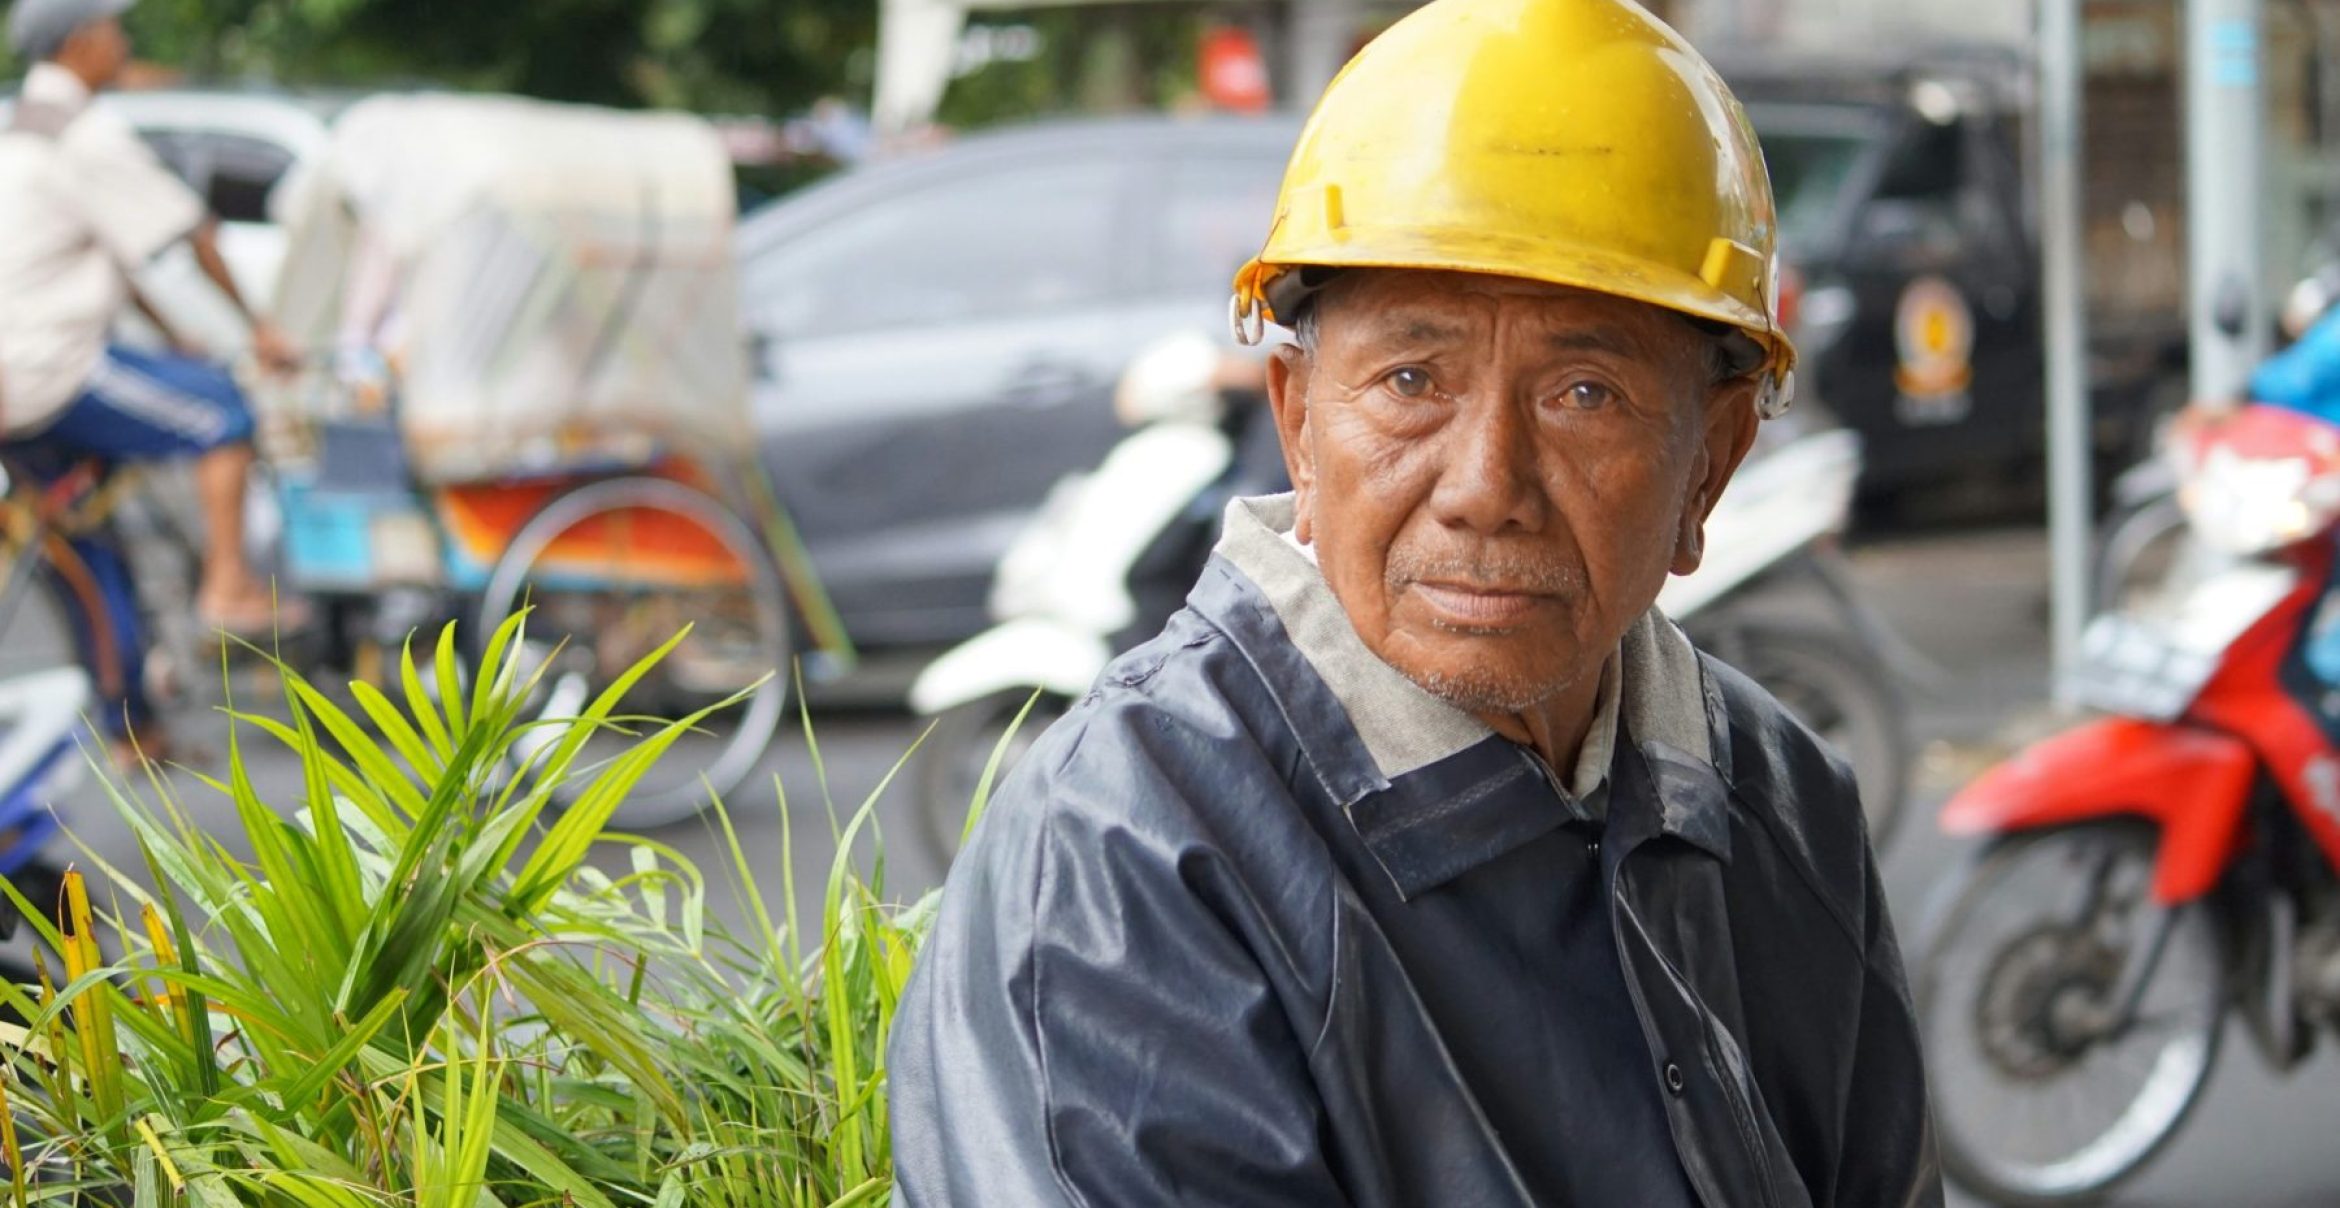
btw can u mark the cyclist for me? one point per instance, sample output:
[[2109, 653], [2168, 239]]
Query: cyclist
[[83, 204]]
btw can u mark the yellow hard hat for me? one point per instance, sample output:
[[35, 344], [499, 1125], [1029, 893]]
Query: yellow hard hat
[[1580, 142]]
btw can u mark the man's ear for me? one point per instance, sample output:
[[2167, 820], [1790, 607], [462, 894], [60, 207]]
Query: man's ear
[[1287, 387], [1730, 431]]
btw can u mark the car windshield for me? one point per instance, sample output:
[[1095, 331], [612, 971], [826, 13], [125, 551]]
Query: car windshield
[[1807, 179], [1811, 151]]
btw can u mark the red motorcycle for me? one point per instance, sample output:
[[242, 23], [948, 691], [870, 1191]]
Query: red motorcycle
[[2156, 868]]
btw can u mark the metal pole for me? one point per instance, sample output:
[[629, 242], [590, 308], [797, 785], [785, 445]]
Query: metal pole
[[2225, 169], [1321, 33], [1724, 24], [2066, 321]]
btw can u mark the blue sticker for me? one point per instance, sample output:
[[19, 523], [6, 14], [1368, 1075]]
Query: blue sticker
[[2234, 53], [2234, 36]]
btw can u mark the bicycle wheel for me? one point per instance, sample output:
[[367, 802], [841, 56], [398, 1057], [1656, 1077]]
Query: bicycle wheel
[[36, 633], [612, 570], [64, 605]]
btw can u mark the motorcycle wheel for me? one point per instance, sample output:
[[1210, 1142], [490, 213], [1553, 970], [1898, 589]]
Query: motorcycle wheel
[[2037, 1099], [955, 752], [1835, 686]]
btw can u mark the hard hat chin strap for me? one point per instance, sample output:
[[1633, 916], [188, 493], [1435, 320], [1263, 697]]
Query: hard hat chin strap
[[1245, 317], [1775, 395]]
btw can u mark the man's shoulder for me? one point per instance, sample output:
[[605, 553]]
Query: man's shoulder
[[1176, 747], [107, 150], [98, 128], [1791, 786], [1183, 713], [1161, 785]]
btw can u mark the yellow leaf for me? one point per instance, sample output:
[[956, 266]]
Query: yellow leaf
[[166, 956]]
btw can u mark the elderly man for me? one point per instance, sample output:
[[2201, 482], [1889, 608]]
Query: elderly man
[[1419, 862]]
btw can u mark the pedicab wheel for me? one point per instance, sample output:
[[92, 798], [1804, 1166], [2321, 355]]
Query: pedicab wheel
[[955, 753], [2043, 1092], [1844, 694], [611, 571]]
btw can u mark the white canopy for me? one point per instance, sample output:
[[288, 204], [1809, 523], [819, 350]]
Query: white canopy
[[414, 164], [552, 283]]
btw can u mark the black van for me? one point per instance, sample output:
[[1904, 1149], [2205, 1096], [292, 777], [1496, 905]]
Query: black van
[[1907, 227]]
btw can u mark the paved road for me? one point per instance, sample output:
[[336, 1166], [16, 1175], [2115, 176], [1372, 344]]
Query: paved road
[[1971, 602]]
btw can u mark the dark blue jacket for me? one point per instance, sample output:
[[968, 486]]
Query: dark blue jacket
[[1251, 926]]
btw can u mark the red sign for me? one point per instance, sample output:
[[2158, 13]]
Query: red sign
[[1234, 75]]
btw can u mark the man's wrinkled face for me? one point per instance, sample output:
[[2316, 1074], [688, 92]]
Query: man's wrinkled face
[[1497, 475]]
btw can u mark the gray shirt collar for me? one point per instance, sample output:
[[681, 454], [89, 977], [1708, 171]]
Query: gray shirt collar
[[1652, 684]]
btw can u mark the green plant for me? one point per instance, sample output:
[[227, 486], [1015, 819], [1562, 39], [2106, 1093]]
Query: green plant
[[416, 991]]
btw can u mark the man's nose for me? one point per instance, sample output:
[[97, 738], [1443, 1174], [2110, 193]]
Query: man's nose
[[1489, 479]]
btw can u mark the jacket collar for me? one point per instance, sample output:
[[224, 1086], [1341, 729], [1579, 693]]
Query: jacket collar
[[1402, 727], [1431, 789]]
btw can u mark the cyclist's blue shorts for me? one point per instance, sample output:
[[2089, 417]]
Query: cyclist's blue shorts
[[150, 406]]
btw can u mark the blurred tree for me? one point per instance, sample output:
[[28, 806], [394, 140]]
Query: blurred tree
[[732, 56], [749, 57], [1092, 59]]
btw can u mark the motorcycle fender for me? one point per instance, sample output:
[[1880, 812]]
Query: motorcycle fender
[[1016, 656], [2193, 784]]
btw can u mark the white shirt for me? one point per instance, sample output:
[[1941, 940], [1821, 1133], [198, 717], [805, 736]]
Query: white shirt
[[78, 212]]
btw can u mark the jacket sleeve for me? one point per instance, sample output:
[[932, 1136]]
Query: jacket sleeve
[[1086, 1025], [1888, 1157]]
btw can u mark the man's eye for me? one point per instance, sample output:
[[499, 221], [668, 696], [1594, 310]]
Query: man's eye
[[1409, 383], [1587, 396]]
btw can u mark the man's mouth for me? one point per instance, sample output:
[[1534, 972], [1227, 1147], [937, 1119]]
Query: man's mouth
[[1479, 606]]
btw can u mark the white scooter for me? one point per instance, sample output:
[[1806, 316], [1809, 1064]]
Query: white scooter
[[1775, 598], [41, 716], [1067, 593], [1064, 589]]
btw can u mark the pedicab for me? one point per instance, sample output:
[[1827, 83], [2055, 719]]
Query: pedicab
[[531, 391]]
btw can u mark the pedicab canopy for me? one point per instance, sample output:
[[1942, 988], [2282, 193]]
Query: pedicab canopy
[[527, 287]]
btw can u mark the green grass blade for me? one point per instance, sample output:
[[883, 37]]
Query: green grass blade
[[498, 665], [421, 707], [990, 777], [395, 729], [450, 674], [343, 887]]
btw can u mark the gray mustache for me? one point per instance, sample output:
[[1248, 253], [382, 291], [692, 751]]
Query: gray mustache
[[1494, 572]]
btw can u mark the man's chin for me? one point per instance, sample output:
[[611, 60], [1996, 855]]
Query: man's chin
[[1499, 674], [1481, 689]]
